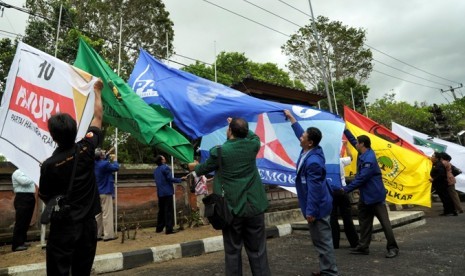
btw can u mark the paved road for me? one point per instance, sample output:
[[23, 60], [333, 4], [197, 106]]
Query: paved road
[[436, 248]]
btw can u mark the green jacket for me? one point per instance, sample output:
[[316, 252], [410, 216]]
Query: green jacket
[[243, 187]]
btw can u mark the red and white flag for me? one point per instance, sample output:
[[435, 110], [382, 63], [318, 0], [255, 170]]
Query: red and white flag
[[39, 86]]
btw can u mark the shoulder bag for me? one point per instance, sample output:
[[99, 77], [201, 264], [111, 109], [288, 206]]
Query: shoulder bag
[[216, 207]]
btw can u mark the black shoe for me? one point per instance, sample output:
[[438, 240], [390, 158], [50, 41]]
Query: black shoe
[[448, 214], [20, 248], [171, 232], [392, 253], [158, 231], [360, 251]]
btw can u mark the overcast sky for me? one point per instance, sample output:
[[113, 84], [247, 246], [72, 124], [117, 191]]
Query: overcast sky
[[428, 35]]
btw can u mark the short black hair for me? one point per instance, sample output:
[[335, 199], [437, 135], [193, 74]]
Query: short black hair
[[63, 129], [239, 127], [314, 135], [158, 159], [365, 140]]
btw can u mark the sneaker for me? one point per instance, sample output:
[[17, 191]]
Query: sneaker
[[392, 253], [172, 232], [360, 251]]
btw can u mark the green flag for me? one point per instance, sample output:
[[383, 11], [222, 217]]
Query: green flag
[[126, 110]]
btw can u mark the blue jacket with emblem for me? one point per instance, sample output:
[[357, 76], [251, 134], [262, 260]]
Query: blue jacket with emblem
[[165, 180], [368, 178], [313, 192]]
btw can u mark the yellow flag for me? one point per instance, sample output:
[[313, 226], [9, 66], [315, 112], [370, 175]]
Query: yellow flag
[[405, 173]]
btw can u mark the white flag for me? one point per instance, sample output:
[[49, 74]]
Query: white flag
[[39, 86], [429, 144]]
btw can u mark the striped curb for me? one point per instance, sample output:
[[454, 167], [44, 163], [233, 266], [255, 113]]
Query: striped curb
[[126, 260]]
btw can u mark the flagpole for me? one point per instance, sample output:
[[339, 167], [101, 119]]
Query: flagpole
[[172, 159], [323, 68], [214, 44], [353, 101], [43, 227], [365, 104], [332, 87], [116, 130]]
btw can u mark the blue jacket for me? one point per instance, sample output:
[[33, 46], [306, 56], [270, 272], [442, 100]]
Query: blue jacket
[[368, 178], [313, 192], [164, 180], [104, 176]]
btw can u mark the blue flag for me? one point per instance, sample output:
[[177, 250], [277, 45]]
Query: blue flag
[[201, 107]]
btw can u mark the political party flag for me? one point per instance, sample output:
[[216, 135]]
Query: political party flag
[[39, 86], [429, 145], [280, 148], [405, 172], [125, 110], [199, 106]]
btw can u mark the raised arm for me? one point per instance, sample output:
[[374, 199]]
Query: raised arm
[[98, 107], [289, 116]]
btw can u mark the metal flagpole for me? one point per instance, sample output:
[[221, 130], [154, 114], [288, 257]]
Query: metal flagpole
[[323, 68], [43, 227], [214, 43], [116, 131], [332, 87], [365, 104], [353, 101], [172, 159]]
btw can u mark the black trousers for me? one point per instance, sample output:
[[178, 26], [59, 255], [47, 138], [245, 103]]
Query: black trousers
[[342, 207], [71, 247], [443, 193], [165, 217], [250, 232], [366, 214], [24, 206]]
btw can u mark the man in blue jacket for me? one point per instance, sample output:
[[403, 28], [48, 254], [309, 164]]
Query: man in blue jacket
[[105, 165], [372, 200], [165, 191], [314, 195]]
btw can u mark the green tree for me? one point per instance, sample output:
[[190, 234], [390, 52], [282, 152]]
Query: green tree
[[455, 115], [343, 52], [233, 67], [343, 91], [7, 53], [99, 20], [387, 109]]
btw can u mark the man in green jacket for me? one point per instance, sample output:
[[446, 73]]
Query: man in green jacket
[[244, 192]]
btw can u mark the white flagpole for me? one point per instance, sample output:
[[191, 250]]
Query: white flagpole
[[172, 159], [214, 43], [323, 68], [116, 131], [353, 101], [43, 227]]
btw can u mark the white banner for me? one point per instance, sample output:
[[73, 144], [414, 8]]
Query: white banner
[[429, 144], [38, 86]]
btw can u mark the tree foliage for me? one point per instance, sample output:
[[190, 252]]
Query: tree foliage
[[343, 52], [344, 90], [233, 67], [386, 110], [7, 53], [100, 20]]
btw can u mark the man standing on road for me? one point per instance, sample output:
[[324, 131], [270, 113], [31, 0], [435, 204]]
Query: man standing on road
[[24, 203], [372, 200], [244, 192], [72, 240], [165, 191], [314, 194], [342, 206], [105, 165]]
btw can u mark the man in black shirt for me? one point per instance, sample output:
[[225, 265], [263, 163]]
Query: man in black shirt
[[72, 240]]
